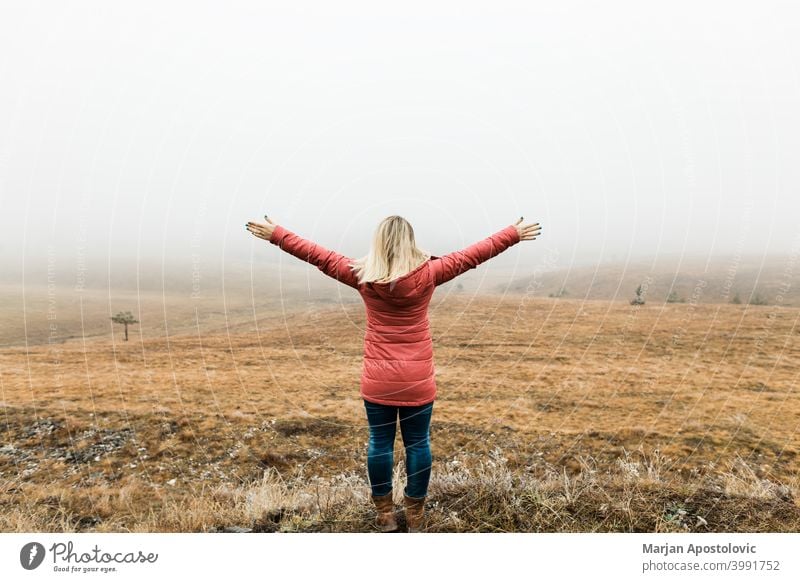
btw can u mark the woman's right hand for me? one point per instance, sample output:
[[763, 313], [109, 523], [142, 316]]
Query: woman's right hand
[[528, 231]]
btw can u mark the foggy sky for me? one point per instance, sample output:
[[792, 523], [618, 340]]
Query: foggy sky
[[156, 130]]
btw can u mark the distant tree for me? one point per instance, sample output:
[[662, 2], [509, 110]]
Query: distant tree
[[459, 287], [736, 299], [756, 299], [673, 298], [560, 293], [126, 318], [638, 300]]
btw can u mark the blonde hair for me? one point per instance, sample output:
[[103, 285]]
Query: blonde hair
[[394, 252]]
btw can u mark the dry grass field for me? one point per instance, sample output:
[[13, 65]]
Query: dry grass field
[[552, 415]]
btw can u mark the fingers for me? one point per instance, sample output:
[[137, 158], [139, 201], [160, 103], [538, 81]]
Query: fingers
[[533, 228], [531, 225], [530, 231], [258, 230]]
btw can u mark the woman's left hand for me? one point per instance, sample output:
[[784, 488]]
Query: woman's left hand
[[260, 229]]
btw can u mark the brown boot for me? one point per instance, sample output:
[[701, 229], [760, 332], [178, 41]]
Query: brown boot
[[385, 506], [415, 513]]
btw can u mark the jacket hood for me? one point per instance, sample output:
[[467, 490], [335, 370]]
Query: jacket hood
[[406, 286]]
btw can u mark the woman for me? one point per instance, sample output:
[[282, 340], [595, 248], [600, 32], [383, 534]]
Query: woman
[[396, 281]]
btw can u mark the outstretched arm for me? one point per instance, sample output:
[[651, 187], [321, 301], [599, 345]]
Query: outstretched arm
[[453, 264], [329, 262]]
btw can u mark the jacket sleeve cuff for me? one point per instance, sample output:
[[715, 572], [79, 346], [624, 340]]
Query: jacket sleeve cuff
[[277, 234], [513, 233]]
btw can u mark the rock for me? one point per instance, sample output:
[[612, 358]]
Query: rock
[[43, 426]]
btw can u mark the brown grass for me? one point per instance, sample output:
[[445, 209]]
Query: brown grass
[[552, 415]]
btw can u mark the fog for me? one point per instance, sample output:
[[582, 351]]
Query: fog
[[154, 131]]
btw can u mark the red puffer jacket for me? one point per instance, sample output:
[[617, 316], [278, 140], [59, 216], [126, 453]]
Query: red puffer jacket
[[398, 366]]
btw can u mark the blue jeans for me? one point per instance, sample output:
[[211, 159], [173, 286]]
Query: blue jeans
[[415, 422]]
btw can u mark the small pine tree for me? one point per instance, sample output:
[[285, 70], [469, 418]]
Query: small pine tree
[[638, 300], [673, 297], [757, 299], [126, 318], [736, 299]]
